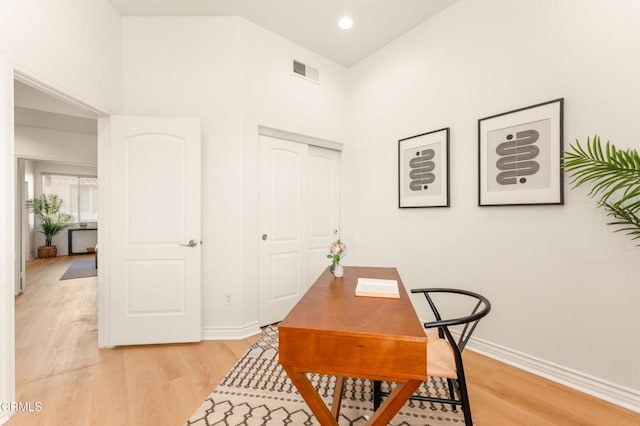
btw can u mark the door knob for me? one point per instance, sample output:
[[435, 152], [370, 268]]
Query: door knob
[[191, 243], [264, 237]]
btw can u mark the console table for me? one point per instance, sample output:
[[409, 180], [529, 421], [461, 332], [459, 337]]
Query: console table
[[70, 233]]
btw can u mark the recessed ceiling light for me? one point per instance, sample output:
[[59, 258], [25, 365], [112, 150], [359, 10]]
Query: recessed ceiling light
[[345, 23]]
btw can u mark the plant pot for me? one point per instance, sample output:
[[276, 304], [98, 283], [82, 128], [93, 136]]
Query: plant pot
[[47, 251]]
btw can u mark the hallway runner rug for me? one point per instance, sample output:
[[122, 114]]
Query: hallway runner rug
[[81, 268], [258, 392]]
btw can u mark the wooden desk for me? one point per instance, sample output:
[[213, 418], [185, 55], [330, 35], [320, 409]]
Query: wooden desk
[[331, 331]]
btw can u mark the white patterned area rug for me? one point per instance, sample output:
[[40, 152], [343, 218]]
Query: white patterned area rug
[[258, 392]]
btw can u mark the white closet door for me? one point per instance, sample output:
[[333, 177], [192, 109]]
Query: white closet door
[[324, 207], [299, 211], [283, 222]]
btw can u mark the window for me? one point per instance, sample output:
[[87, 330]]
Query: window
[[79, 195]]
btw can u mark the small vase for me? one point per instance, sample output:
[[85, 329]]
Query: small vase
[[338, 272]]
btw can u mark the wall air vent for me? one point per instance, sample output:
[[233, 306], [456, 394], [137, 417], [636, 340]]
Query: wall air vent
[[305, 71]]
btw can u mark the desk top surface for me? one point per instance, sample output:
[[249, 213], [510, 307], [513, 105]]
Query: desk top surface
[[330, 305]]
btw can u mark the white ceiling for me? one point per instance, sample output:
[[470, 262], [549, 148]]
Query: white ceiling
[[310, 23]]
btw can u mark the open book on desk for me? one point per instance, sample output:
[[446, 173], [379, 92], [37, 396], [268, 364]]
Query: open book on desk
[[373, 287]]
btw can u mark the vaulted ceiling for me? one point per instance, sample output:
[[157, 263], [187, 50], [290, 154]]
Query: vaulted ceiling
[[310, 23]]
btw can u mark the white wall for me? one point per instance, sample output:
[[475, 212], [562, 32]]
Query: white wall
[[56, 145], [76, 46], [24, 230], [7, 238], [190, 67], [60, 240], [29, 177], [232, 75], [73, 45], [20, 215], [27, 97], [564, 287]]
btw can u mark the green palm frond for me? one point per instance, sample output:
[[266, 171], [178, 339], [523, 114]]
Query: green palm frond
[[47, 210], [626, 219], [615, 175]]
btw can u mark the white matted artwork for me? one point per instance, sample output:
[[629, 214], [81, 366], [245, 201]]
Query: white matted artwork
[[520, 156], [423, 170]]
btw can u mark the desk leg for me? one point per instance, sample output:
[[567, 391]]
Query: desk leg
[[311, 397], [393, 403], [337, 397]]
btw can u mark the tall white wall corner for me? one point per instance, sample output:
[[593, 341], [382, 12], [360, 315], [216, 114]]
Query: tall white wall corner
[[602, 389], [231, 332], [7, 235]]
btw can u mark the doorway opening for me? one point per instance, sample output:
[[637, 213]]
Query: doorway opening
[[55, 146], [12, 247], [56, 153]]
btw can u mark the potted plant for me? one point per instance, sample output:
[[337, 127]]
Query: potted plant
[[52, 220], [616, 177]]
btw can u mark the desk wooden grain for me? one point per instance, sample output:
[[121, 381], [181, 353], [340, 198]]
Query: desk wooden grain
[[331, 331]]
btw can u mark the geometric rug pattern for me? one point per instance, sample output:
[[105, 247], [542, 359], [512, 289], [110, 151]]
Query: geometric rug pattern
[[257, 391]]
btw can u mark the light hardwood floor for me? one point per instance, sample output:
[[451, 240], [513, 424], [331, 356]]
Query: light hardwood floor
[[58, 363]]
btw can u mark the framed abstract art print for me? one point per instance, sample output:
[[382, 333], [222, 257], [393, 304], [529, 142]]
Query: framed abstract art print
[[423, 170], [519, 156]]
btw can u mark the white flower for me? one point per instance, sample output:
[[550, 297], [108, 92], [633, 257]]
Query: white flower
[[337, 247]]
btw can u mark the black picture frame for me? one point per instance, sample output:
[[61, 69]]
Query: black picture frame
[[520, 156], [423, 170]]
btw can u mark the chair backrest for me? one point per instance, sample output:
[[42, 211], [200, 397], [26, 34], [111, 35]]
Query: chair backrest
[[481, 308]]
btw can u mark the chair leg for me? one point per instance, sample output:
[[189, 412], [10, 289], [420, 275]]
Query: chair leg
[[464, 398], [451, 393], [377, 394]]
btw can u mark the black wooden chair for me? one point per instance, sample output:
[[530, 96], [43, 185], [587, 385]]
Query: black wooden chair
[[444, 353]]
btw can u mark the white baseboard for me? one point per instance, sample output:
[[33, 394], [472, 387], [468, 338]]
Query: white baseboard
[[602, 389], [230, 333]]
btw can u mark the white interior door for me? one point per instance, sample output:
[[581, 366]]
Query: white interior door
[[154, 193], [284, 223], [299, 213], [324, 207]]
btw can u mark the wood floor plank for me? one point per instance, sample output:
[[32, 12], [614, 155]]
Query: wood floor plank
[[110, 394], [504, 395], [59, 364]]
